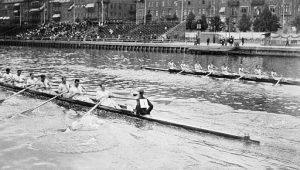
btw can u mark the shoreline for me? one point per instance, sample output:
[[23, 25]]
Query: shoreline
[[169, 47]]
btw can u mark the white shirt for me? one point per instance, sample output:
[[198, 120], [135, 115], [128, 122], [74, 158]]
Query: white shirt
[[241, 70], [63, 87], [101, 95], [198, 67], [19, 79], [44, 84], [171, 65], [31, 81], [76, 90], [7, 77]]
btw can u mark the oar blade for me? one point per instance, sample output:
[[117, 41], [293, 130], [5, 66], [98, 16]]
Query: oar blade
[[26, 112]]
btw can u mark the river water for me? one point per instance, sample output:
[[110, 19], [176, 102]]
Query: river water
[[270, 114]]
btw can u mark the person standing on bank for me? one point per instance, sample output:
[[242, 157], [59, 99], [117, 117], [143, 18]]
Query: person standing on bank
[[208, 40], [143, 106]]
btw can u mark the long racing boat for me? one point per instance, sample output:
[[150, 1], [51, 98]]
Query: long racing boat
[[103, 110], [247, 77]]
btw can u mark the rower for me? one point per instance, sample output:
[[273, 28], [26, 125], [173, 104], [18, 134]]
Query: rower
[[104, 96], [64, 86], [183, 67], [171, 65], [274, 74], [19, 79], [211, 67], [198, 67], [44, 84], [77, 92], [32, 81], [241, 70], [143, 106], [224, 68], [7, 77], [257, 70]]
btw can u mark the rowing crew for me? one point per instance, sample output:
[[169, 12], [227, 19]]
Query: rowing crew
[[224, 69], [75, 91]]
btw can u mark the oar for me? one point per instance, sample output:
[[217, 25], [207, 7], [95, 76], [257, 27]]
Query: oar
[[1, 101], [180, 72], [208, 74], [241, 76], [30, 110], [278, 81], [126, 98], [87, 113]]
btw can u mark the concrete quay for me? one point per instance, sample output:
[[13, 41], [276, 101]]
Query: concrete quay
[[249, 49]]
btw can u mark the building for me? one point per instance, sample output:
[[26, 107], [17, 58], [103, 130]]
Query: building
[[43, 11], [233, 10]]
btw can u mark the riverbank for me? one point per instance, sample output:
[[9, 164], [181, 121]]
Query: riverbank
[[171, 47]]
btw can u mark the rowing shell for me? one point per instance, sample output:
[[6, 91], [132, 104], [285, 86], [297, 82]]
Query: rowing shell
[[255, 78], [103, 110]]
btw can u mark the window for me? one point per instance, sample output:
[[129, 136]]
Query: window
[[203, 1], [272, 8], [233, 11], [189, 2], [175, 3], [199, 12], [244, 9], [163, 3], [287, 8], [156, 13], [156, 4]]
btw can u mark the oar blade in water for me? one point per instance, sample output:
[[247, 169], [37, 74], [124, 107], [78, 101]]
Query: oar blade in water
[[26, 112]]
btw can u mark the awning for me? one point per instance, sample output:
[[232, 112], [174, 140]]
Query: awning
[[56, 16], [34, 10], [90, 6], [16, 11], [17, 4], [222, 10]]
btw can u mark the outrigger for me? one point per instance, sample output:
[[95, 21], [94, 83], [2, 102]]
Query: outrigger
[[104, 110], [250, 77]]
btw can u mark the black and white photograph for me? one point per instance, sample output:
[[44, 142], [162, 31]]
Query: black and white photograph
[[149, 84]]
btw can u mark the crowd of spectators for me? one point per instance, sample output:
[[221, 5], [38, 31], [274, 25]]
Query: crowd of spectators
[[54, 31]]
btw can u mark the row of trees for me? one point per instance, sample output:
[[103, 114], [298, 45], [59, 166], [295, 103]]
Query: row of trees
[[265, 22]]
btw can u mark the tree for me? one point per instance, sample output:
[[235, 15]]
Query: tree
[[266, 22], [296, 23], [230, 25], [245, 23], [175, 17], [216, 24], [203, 23], [189, 21]]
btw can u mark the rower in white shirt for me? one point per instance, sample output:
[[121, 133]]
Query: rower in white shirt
[[77, 92], [44, 85], [211, 68], [104, 96], [64, 86], [198, 67], [171, 65], [224, 69], [19, 79], [32, 81], [7, 76]]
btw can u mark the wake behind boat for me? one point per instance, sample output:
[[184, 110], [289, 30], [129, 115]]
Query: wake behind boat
[[247, 77], [104, 110]]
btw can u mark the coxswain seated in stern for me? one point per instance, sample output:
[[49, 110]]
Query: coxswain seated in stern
[[77, 92], [171, 65], [143, 106]]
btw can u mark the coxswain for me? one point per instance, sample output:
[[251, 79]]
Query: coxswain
[[64, 86], [171, 65], [198, 67], [143, 106], [43, 84], [104, 96], [77, 92], [224, 68], [31, 81], [7, 77], [19, 79]]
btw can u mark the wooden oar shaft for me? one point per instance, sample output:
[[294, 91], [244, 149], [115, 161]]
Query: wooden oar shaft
[[44, 103], [127, 98]]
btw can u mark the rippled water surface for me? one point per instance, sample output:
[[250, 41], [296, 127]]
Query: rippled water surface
[[268, 113]]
